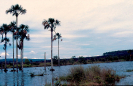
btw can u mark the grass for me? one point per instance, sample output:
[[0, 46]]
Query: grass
[[93, 75]]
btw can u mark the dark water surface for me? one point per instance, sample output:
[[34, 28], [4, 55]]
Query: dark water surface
[[24, 78]]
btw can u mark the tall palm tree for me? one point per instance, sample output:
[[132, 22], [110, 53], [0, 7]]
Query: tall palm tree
[[13, 27], [58, 37], [51, 23], [16, 10], [5, 29], [22, 32]]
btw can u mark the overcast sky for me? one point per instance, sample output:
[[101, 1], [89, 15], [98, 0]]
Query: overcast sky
[[88, 27]]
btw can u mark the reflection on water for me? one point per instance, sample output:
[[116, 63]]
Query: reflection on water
[[13, 78], [52, 78], [6, 80], [45, 78], [24, 79]]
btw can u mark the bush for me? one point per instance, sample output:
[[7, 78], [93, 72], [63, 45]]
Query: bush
[[76, 75], [94, 74], [57, 83], [27, 61], [27, 65]]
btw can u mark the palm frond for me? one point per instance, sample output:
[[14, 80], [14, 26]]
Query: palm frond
[[58, 35], [22, 31], [2, 40], [57, 22], [51, 23], [51, 20], [45, 24], [23, 11], [12, 26], [5, 28], [16, 10]]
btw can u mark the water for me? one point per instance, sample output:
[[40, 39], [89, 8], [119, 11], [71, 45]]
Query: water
[[24, 78]]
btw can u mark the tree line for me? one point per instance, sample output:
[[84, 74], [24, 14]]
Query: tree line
[[19, 33]]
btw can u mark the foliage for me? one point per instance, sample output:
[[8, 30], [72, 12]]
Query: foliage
[[58, 36], [80, 76], [27, 61], [4, 29], [27, 65], [16, 10], [35, 63], [48, 84], [22, 34], [76, 75], [55, 60], [51, 23], [57, 83], [63, 61], [72, 60], [82, 60]]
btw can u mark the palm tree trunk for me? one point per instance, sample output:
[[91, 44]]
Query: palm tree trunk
[[51, 48], [17, 43], [13, 49], [58, 54], [22, 54], [5, 51]]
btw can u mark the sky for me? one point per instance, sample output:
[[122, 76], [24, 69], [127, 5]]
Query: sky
[[88, 27]]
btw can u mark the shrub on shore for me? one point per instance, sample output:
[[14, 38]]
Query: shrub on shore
[[93, 75]]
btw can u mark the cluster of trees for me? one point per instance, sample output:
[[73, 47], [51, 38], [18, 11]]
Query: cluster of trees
[[111, 57], [52, 23], [18, 33], [73, 60], [114, 56]]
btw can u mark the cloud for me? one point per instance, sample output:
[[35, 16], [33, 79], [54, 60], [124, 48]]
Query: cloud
[[72, 36], [25, 58], [34, 58], [123, 34], [83, 44], [3, 54], [87, 27], [32, 52]]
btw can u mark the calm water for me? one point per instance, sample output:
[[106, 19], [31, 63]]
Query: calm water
[[24, 78]]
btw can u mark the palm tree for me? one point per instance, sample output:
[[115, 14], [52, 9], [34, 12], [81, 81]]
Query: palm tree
[[51, 23], [58, 37], [5, 29], [22, 31], [12, 27], [16, 10]]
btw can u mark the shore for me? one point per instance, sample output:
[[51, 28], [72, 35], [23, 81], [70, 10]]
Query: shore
[[41, 64]]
